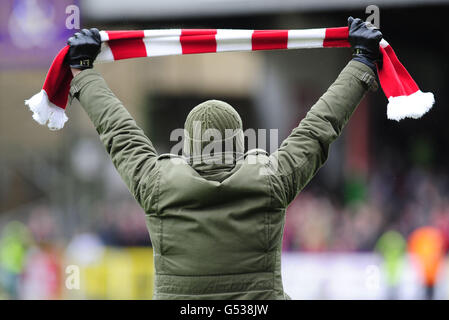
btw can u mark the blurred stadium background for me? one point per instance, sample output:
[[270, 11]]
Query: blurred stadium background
[[373, 224]]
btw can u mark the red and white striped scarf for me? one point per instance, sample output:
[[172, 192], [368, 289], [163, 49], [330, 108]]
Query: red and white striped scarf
[[48, 106]]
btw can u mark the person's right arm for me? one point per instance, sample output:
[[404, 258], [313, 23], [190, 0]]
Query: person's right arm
[[306, 149]]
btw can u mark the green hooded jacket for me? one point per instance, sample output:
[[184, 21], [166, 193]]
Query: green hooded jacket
[[217, 230]]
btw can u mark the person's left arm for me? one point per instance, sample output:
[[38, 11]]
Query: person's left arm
[[131, 152]]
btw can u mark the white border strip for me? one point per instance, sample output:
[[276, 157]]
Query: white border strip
[[162, 42], [308, 38]]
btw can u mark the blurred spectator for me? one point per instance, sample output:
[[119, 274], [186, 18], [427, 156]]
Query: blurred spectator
[[42, 278], [426, 246], [14, 244], [122, 224], [391, 246]]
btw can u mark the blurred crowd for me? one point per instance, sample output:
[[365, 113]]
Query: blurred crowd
[[82, 217], [400, 201], [35, 251]]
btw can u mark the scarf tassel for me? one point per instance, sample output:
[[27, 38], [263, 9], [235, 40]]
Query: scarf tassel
[[45, 112]]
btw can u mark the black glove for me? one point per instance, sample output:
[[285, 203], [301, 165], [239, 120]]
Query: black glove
[[364, 39], [84, 48]]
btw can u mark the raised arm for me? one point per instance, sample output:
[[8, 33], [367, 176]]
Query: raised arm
[[130, 149], [306, 149]]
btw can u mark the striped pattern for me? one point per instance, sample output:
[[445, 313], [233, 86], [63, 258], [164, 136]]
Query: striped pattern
[[405, 98], [118, 45]]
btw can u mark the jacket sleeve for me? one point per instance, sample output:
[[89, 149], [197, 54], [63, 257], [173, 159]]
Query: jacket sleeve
[[306, 149], [130, 149]]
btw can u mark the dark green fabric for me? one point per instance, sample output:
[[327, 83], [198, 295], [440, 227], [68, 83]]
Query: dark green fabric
[[217, 229], [208, 128]]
